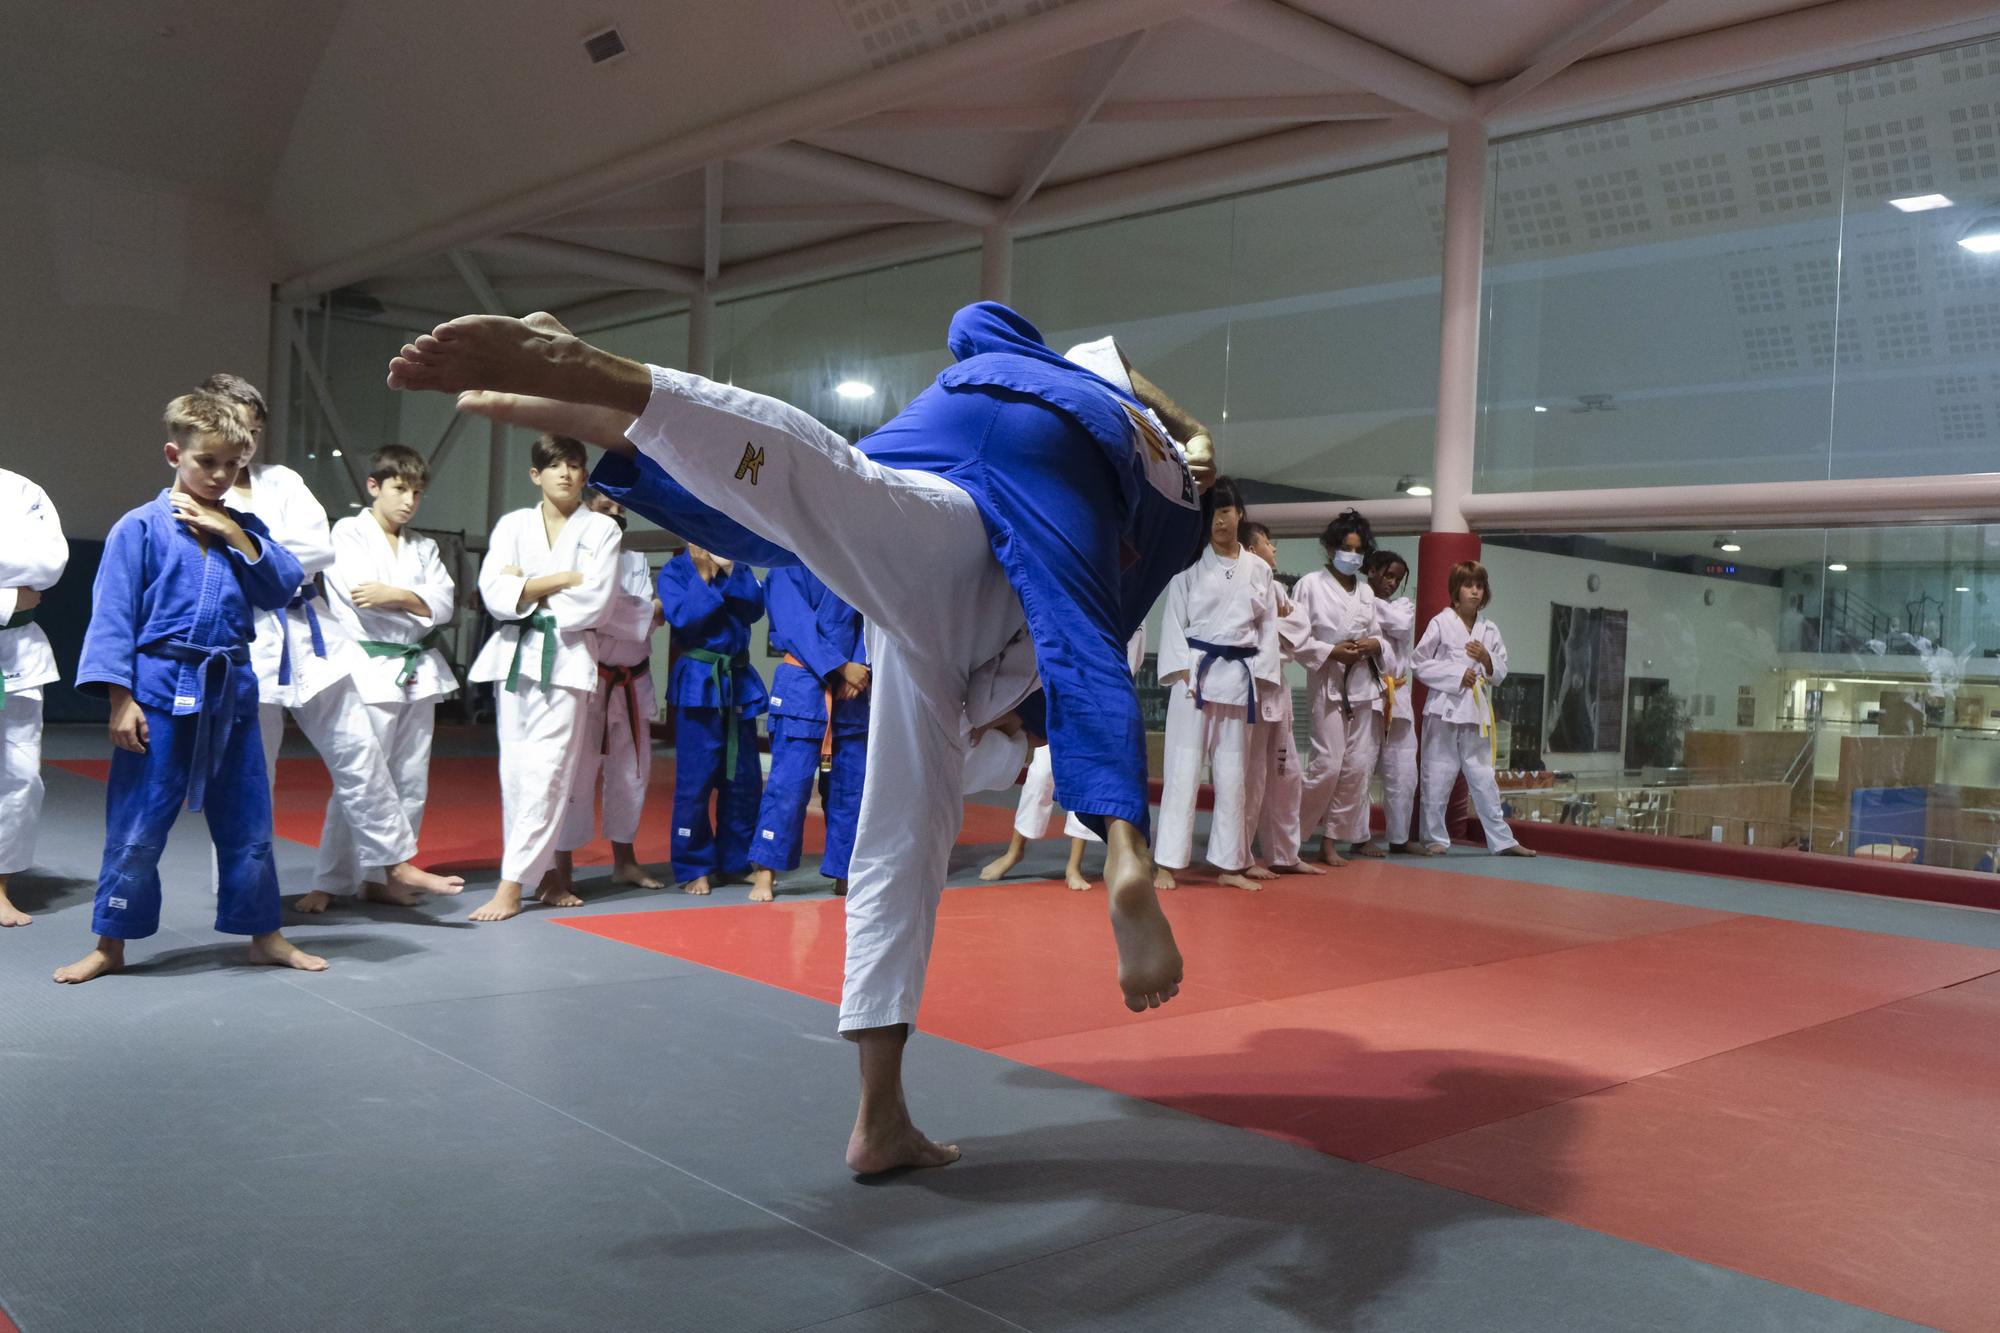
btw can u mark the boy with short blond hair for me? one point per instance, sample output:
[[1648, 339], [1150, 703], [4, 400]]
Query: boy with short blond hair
[[169, 642], [390, 590]]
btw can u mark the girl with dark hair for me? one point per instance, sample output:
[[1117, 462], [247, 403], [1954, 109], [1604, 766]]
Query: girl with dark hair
[[1340, 606]]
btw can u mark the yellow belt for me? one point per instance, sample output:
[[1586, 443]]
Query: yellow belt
[[1487, 726]]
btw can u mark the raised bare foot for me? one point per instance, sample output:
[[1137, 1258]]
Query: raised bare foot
[[504, 905], [698, 887], [1368, 850], [1300, 868], [1258, 870], [497, 352], [274, 950], [423, 881], [1236, 879], [637, 876], [395, 895], [762, 888], [601, 426], [106, 958], [1518, 850], [316, 901], [999, 866], [11, 915], [870, 1154], [1149, 965]]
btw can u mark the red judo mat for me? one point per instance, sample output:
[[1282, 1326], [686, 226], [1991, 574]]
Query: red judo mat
[[461, 832], [1812, 1105]]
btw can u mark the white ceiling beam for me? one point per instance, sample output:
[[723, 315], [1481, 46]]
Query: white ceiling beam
[[869, 249], [1606, 22], [1108, 67], [476, 282], [818, 166], [1873, 502], [615, 265], [1054, 32], [1354, 60], [750, 215], [1054, 115]]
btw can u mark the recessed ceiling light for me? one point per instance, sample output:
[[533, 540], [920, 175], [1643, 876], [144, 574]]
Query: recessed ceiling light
[[1836, 569], [1540, 408], [1983, 237], [1731, 547], [1411, 486], [1420, 490], [855, 389], [1920, 203], [1961, 590], [338, 454]]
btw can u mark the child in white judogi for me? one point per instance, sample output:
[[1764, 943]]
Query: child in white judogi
[[1276, 776], [1038, 805], [1217, 616], [1460, 658], [32, 558], [1345, 733], [391, 592], [1397, 761], [306, 662], [617, 751], [549, 578]]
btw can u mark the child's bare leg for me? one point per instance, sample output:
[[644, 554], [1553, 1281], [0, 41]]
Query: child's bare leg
[[504, 905], [274, 950], [558, 884], [884, 1137], [698, 886], [316, 901], [532, 358], [763, 884], [409, 876], [1073, 872], [1017, 847], [840, 888], [10, 915], [625, 868], [107, 957], [1149, 966]]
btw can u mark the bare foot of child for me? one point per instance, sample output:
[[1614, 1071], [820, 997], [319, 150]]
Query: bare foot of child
[[504, 905], [410, 876], [1163, 878], [1300, 868], [872, 1150], [698, 887], [557, 894], [762, 889], [11, 915], [1006, 861], [395, 895], [1329, 855], [1368, 850], [1518, 850], [106, 958], [274, 950], [316, 901], [1258, 870], [1149, 964], [1236, 879], [1077, 881], [636, 875], [1405, 849], [1433, 849]]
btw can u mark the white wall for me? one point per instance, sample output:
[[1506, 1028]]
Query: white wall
[[120, 292]]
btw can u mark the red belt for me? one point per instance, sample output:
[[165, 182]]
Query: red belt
[[826, 741], [627, 678]]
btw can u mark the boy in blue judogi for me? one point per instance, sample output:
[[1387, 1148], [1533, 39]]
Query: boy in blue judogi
[[169, 642], [716, 696], [819, 725]]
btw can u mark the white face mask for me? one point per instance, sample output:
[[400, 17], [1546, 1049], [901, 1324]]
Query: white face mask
[[1347, 562]]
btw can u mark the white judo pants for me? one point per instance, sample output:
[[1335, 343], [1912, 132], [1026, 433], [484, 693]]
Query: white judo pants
[[1398, 766], [404, 731], [1217, 735], [1343, 761], [20, 779], [1038, 802], [1451, 748], [1277, 785], [931, 620], [541, 735], [609, 752]]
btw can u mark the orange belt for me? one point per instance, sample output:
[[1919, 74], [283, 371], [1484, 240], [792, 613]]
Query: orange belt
[[627, 678], [826, 741]]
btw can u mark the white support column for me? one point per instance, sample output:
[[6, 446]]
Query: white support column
[[278, 385], [1458, 357], [701, 334], [996, 265], [701, 305], [497, 464]]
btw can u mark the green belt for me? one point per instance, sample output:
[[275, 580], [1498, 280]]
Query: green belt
[[546, 623], [15, 621], [721, 667], [411, 653]]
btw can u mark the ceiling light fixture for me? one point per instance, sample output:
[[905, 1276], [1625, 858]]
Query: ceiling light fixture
[[1961, 590], [1983, 236], [1411, 486], [854, 389], [1540, 407], [1836, 569], [1728, 545], [1920, 203]]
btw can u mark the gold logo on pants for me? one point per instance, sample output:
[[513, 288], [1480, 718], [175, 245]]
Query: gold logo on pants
[[753, 462]]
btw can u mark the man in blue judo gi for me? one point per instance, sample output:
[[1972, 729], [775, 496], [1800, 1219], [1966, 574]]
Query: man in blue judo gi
[[819, 727], [716, 696], [1016, 520], [169, 643]]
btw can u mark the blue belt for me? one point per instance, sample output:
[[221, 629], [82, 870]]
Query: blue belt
[[1211, 653], [300, 599], [211, 739]]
